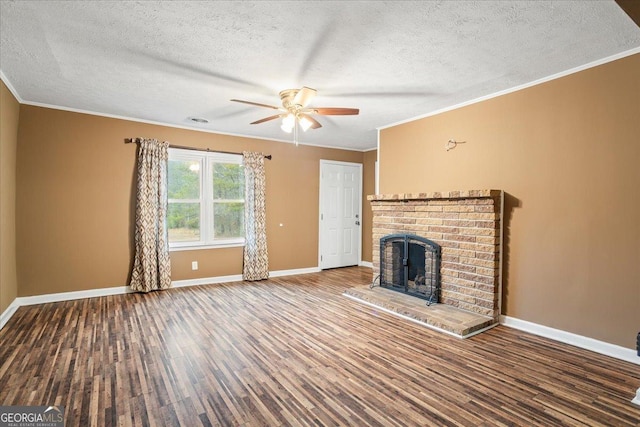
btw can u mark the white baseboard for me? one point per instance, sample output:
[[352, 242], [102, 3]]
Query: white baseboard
[[116, 290], [612, 350], [57, 297], [280, 273], [366, 264], [238, 277], [6, 315], [69, 296], [636, 400], [206, 281]]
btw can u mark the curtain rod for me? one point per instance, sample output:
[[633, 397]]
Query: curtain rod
[[182, 147]]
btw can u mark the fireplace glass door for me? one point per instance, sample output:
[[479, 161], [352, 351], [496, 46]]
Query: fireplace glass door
[[410, 264]]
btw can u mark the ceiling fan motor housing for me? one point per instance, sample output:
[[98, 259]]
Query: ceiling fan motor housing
[[287, 97]]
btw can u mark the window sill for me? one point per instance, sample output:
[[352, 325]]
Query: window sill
[[199, 247]]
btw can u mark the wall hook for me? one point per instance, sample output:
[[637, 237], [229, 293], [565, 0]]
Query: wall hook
[[452, 143]]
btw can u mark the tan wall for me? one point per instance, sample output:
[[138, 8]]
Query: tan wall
[[76, 201], [368, 187], [9, 114], [567, 153]]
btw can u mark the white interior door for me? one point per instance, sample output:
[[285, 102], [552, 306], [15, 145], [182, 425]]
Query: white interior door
[[340, 214]]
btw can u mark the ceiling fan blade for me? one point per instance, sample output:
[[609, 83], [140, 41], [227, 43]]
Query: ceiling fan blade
[[314, 123], [255, 103], [304, 96], [266, 119], [332, 111]]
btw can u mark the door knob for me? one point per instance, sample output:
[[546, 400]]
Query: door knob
[[357, 222]]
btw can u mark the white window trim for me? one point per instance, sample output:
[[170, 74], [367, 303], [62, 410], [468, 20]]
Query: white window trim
[[205, 189]]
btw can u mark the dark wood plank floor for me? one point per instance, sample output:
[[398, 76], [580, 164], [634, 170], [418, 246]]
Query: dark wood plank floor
[[293, 351]]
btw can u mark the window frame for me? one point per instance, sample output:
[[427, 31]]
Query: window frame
[[206, 159]]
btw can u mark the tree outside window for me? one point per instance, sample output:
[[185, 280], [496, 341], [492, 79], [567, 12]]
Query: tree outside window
[[206, 198]]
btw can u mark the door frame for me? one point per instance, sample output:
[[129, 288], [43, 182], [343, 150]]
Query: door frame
[[321, 193]]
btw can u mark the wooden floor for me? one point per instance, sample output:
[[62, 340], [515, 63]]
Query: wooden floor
[[293, 351]]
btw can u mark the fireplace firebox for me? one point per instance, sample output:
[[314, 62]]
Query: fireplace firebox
[[410, 264]]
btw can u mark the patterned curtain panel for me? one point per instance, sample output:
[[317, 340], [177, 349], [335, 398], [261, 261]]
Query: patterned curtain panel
[[256, 256], [151, 266]]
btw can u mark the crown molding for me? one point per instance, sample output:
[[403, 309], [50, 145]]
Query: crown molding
[[519, 87]]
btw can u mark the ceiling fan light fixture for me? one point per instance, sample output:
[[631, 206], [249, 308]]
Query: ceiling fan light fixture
[[305, 123], [295, 110], [288, 122]]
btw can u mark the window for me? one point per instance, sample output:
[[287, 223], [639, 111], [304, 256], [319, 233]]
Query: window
[[206, 199]]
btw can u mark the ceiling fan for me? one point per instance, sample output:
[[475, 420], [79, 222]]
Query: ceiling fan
[[295, 110]]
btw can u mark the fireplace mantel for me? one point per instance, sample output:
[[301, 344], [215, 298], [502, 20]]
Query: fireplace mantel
[[461, 194]]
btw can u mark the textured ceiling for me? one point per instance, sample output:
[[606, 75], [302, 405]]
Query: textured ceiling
[[171, 60]]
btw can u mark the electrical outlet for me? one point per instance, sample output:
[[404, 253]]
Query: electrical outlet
[[194, 265]]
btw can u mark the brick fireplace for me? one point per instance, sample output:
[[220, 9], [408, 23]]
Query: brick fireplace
[[467, 226]]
